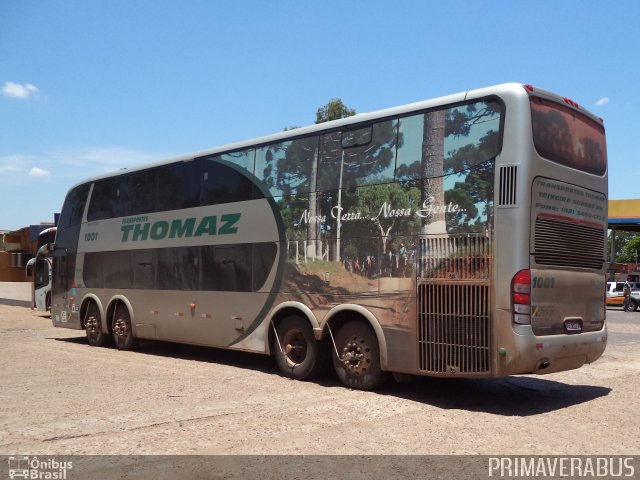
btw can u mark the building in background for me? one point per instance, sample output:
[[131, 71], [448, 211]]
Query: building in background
[[16, 249]]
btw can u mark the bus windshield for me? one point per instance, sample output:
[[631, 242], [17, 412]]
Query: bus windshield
[[565, 136]]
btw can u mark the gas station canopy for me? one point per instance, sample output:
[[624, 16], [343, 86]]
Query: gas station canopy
[[624, 215]]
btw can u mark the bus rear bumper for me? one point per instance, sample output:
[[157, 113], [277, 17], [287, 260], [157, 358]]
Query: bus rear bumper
[[553, 353]]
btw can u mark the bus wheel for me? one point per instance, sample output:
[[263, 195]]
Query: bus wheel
[[359, 364], [298, 354], [93, 328], [122, 332]]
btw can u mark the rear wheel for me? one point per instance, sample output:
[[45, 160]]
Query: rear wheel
[[93, 327], [359, 365], [298, 354], [633, 305], [121, 326]]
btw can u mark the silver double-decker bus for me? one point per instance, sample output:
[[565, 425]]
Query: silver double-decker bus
[[462, 236]]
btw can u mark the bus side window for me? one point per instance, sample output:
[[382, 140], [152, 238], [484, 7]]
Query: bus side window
[[287, 167], [223, 184]]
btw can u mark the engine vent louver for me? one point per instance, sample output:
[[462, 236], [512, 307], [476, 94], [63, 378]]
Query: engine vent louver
[[507, 186], [568, 244]]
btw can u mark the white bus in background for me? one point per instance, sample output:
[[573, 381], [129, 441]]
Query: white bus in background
[[462, 236], [41, 266]]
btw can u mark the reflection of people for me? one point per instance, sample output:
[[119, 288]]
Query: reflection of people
[[402, 260], [626, 292]]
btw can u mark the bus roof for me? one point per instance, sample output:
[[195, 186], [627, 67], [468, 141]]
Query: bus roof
[[505, 88]]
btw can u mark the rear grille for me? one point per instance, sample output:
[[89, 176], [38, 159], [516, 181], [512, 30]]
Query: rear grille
[[568, 244], [453, 328]]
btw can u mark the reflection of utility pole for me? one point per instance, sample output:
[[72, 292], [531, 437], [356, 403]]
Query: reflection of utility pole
[[339, 208]]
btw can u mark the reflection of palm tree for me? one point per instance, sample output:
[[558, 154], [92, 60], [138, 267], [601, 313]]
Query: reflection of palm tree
[[432, 171], [314, 248]]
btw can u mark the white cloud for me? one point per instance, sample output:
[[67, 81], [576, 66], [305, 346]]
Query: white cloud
[[16, 90], [98, 160], [12, 165], [71, 165], [602, 102], [38, 172]]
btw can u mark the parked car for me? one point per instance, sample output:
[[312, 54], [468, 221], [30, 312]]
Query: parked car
[[615, 295], [634, 302]]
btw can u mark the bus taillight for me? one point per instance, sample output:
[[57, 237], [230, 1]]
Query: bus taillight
[[521, 297]]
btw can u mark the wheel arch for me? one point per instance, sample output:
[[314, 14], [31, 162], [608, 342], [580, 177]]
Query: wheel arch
[[86, 301], [112, 304], [341, 314], [284, 310]]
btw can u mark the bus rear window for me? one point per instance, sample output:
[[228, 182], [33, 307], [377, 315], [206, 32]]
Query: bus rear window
[[565, 136]]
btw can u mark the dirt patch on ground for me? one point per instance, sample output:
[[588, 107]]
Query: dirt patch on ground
[[61, 396]]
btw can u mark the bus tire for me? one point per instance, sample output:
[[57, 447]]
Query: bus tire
[[121, 327], [359, 368], [93, 327], [297, 353]]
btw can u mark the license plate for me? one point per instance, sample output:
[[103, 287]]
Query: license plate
[[573, 326]]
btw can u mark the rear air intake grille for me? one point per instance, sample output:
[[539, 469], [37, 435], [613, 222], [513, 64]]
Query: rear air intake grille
[[453, 328], [507, 187], [568, 244]]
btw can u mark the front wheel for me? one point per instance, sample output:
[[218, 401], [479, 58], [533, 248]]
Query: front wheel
[[359, 364], [633, 305], [121, 326], [297, 353]]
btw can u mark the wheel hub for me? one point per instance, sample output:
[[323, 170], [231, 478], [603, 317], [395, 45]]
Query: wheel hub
[[92, 326], [356, 355], [295, 347], [121, 328]]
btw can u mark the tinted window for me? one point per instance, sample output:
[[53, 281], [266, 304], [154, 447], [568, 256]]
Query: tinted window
[[287, 167], [329, 161], [242, 158], [361, 156], [214, 268], [178, 186], [73, 207], [178, 268], [170, 187], [108, 270], [141, 196], [110, 197], [565, 136], [223, 184], [452, 140], [264, 255], [227, 268]]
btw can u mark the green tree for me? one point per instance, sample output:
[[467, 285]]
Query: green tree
[[627, 246], [335, 109]]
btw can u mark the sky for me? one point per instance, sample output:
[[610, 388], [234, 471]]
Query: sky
[[92, 86]]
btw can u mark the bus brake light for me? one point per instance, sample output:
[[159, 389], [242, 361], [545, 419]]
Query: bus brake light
[[521, 297], [568, 101]]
